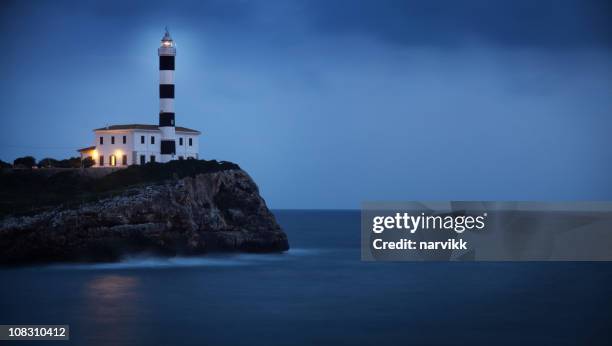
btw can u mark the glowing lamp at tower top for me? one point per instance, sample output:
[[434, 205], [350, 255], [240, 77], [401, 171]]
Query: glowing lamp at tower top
[[166, 41]]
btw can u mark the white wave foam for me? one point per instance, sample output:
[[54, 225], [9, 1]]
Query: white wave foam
[[230, 260]]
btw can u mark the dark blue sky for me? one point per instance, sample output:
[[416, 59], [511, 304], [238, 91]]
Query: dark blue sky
[[331, 103]]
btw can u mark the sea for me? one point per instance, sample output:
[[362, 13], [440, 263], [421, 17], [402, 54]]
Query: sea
[[317, 293]]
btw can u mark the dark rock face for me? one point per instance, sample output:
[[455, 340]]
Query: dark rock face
[[220, 211]]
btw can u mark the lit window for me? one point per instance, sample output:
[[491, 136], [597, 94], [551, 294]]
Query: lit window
[[113, 160]]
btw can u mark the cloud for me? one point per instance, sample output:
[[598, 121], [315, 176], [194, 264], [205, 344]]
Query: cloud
[[546, 23]]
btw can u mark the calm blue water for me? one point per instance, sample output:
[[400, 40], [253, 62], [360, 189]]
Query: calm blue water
[[317, 293]]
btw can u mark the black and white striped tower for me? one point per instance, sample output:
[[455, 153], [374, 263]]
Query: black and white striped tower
[[166, 53]]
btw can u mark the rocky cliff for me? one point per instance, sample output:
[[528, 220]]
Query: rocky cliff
[[185, 215]]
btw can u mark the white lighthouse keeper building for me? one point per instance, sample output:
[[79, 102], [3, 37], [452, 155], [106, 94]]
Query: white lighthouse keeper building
[[137, 144]]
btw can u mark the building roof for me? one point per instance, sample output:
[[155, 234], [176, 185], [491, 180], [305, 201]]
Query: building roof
[[143, 127], [167, 36], [87, 149]]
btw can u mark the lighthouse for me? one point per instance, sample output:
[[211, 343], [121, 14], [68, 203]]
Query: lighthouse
[[166, 52], [123, 145]]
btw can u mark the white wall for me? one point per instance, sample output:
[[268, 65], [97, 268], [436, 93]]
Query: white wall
[[186, 150], [133, 147], [118, 149], [147, 149]]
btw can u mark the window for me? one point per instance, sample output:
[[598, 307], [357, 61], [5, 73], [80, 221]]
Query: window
[[101, 140], [181, 141], [152, 157], [124, 159], [113, 160], [142, 158], [181, 158], [190, 141], [152, 139], [101, 159], [124, 139], [141, 139], [112, 139]]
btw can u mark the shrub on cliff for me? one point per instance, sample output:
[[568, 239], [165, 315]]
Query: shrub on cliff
[[73, 162], [24, 191], [24, 162], [88, 162], [47, 162], [156, 172]]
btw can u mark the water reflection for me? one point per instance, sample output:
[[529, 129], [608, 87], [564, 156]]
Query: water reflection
[[112, 297]]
